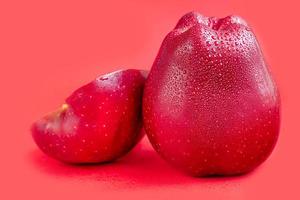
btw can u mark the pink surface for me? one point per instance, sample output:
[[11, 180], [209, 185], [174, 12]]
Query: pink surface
[[48, 49]]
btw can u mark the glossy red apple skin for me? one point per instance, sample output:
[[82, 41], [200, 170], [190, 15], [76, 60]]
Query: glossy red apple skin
[[99, 122], [210, 106]]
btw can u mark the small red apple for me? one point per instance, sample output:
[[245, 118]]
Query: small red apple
[[99, 122], [210, 106]]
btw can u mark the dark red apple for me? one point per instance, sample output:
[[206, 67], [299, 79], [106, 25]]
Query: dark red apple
[[210, 105], [99, 122]]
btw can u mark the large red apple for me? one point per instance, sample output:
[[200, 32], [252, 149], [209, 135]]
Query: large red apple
[[210, 105], [99, 122]]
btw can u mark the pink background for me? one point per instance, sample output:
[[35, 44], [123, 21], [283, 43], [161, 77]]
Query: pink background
[[49, 48]]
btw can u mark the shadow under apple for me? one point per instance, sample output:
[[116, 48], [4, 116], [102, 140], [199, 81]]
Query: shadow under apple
[[141, 167]]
